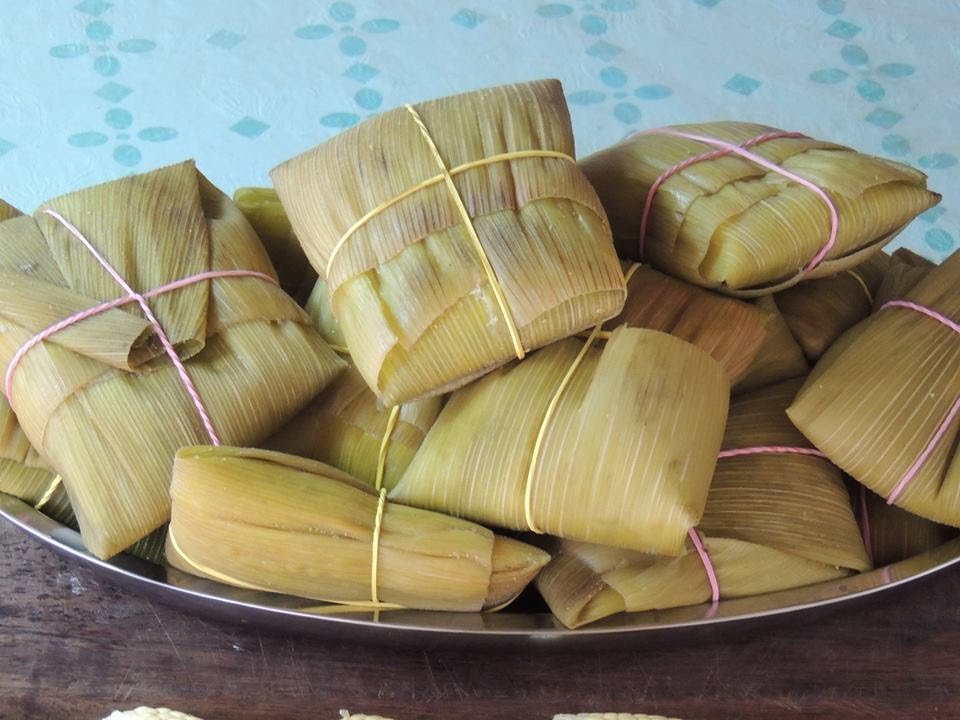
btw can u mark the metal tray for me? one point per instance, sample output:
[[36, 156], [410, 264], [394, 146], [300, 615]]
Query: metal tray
[[295, 614]]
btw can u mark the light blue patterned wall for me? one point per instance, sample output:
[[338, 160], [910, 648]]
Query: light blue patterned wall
[[95, 89]]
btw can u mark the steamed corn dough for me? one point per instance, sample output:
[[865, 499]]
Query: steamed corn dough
[[100, 401], [417, 310], [877, 397], [772, 522], [236, 511], [730, 224], [626, 458]]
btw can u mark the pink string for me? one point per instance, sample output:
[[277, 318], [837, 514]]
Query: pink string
[[865, 523], [770, 450], [725, 148], [951, 413], [707, 564], [141, 300]]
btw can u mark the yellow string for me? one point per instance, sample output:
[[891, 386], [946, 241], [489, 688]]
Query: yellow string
[[48, 493], [385, 444], [375, 554], [862, 284], [551, 408], [339, 349]]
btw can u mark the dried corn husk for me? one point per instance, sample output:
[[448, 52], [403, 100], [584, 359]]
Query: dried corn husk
[[625, 458], [99, 401], [276, 522], [262, 208], [772, 522], [819, 311], [318, 306], [730, 224], [346, 427], [904, 270], [730, 330], [780, 356], [895, 534], [876, 399], [417, 307]]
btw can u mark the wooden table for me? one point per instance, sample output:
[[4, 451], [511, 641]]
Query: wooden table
[[75, 646]]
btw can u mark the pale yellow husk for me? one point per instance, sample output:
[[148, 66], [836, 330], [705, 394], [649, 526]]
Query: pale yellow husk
[[276, 522], [262, 208], [730, 330], [731, 224], [772, 522], [318, 307], [347, 427], [100, 401], [625, 458], [419, 312], [896, 534], [876, 398], [819, 311], [780, 356]]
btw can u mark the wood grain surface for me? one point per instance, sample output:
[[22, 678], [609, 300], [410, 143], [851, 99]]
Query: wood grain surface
[[74, 646]]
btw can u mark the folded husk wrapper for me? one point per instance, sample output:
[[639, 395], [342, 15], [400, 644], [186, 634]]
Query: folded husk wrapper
[[262, 208], [780, 356], [345, 427], [417, 310], [772, 522], [286, 524], [904, 270], [819, 311], [877, 397], [626, 457], [730, 224], [730, 330], [318, 307], [896, 534], [100, 401]]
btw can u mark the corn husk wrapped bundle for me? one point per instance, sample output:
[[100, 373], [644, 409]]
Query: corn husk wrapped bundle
[[531, 446], [772, 522], [882, 402], [895, 534], [730, 330], [318, 307], [461, 235], [101, 401], [732, 224], [275, 522], [346, 427], [904, 270], [263, 210], [780, 356], [819, 311]]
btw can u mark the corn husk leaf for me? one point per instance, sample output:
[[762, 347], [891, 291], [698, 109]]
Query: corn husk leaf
[[262, 208], [877, 397], [732, 225], [285, 524], [780, 356], [345, 427], [819, 311], [110, 433], [772, 522], [318, 307], [417, 310], [895, 534], [645, 490], [902, 274], [730, 330]]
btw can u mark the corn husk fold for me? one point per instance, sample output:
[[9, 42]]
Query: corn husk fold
[[625, 458], [772, 522], [780, 356], [100, 401], [730, 224], [262, 208], [418, 311], [730, 330], [877, 397], [895, 534], [904, 270], [819, 311], [285, 524]]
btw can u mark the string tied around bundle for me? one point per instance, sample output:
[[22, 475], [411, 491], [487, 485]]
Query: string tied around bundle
[[724, 148]]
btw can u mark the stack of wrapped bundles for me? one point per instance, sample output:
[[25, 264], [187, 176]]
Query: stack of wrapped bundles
[[778, 516], [102, 399]]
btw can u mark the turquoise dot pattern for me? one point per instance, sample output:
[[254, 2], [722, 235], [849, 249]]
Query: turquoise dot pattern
[[125, 87]]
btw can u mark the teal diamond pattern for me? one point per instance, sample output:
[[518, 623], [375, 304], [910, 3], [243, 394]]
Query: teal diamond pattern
[[225, 39], [5, 147], [468, 19], [249, 127], [113, 92], [742, 84]]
